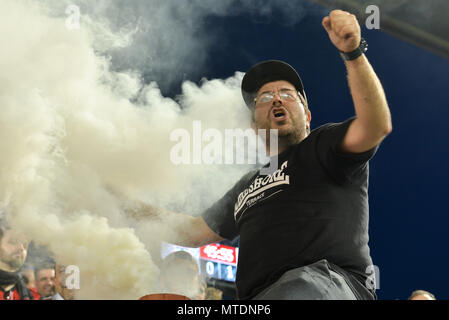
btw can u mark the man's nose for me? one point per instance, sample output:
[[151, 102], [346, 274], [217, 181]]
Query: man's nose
[[277, 99]]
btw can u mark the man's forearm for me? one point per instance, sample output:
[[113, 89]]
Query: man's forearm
[[373, 122], [180, 229], [191, 231], [369, 99]]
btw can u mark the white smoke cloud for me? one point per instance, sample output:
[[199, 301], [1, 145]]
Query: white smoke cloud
[[79, 118], [168, 40], [70, 134]]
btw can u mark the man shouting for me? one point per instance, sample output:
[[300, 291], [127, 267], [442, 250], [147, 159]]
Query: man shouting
[[304, 227]]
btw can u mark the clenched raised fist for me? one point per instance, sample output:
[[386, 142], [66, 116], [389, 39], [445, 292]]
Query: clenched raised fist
[[343, 30]]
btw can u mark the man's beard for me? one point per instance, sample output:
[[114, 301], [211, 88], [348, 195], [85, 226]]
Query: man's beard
[[287, 135], [291, 137], [11, 261]]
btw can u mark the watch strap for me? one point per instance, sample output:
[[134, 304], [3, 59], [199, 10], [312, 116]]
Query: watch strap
[[361, 49]]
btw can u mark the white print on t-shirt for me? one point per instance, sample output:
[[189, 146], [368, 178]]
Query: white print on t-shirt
[[261, 184]]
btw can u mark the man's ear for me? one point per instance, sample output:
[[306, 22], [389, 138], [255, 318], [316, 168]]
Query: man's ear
[[308, 117], [306, 110]]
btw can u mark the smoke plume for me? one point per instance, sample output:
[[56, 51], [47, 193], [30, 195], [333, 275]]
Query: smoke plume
[[84, 125]]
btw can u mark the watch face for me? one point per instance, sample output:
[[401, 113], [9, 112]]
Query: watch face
[[363, 45]]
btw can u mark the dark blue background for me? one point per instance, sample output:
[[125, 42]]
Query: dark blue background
[[409, 218]]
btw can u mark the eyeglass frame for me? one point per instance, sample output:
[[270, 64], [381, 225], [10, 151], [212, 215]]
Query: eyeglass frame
[[279, 94]]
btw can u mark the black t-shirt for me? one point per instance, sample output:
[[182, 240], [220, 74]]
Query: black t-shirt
[[315, 206]]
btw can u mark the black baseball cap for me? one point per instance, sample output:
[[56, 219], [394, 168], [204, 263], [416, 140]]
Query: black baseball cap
[[268, 71]]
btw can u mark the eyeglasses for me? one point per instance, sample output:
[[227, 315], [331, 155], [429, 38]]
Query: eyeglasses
[[267, 97]]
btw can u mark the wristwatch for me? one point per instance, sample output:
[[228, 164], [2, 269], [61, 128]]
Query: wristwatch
[[362, 48]]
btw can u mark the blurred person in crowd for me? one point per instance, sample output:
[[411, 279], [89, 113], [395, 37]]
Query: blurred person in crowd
[[180, 275], [62, 291], [27, 273], [13, 253], [45, 280], [421, 295], [214, 294]]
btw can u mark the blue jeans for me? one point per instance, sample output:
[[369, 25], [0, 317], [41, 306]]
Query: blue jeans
[[316, 281]]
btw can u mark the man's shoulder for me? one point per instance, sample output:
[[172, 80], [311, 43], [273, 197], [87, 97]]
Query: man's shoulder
[[331, 125], [248, 176], [57, 296]]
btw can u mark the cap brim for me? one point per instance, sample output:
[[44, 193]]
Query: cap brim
[[268, 71]]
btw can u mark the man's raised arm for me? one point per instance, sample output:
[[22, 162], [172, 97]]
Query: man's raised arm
[[373, 122]]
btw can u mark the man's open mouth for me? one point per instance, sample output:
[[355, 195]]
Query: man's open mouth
[[279, 114]]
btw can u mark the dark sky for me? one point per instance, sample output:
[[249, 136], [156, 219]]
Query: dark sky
[[409, 218]]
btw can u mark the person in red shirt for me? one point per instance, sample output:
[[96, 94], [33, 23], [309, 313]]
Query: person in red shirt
[[13, 253]]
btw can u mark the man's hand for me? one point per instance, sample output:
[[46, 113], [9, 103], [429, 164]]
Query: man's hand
[[343, 30]]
